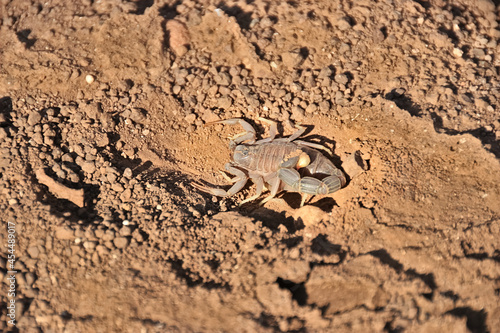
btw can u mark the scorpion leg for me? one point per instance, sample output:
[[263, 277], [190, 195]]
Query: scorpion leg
[[259, 182], [314, 145], [229, 179], [273, 130], [249, 133], [304, 199], [239, 181], [300, 130], [275, 185], [309, 185]]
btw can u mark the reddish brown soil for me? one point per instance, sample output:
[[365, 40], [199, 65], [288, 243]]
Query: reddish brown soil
[[102, 113]]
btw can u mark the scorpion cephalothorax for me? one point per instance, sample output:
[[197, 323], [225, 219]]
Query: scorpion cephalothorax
[[283, 164]]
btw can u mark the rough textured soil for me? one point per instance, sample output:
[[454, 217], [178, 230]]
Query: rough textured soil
[[102, 113]]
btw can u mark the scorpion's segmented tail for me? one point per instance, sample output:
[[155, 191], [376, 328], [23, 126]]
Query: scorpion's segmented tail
[[310, 185]]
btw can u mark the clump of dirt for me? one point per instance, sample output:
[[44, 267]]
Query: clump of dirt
[[103, 107]]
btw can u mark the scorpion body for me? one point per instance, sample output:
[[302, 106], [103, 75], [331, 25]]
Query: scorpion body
[[282, 164]]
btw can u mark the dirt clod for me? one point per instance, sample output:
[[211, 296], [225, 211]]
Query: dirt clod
[[120, 242], [309, 215], [64, 233], [63, 192], [179, 39], [354, 165]]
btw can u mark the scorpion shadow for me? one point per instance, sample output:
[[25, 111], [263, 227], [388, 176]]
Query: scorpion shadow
[[294, 199]]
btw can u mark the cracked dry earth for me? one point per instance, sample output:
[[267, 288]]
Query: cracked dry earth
[[102, 113]]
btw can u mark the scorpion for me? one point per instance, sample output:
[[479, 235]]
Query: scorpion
[[280, 164]]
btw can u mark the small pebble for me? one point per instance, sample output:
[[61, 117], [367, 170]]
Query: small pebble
[[341, 79], [125, 231], [343, 24], [127, 173], [88, 167], [457, 52], [64, 233], [34, 118], [311, 108], [89, 245], [89, 78], [354, 165], [34, 251], [120, 242]]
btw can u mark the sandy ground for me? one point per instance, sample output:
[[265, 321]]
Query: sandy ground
[[102, 113]]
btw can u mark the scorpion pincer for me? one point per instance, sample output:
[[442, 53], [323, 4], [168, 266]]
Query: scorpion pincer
[[283, 164]]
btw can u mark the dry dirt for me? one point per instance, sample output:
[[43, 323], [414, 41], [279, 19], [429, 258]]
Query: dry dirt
[[102, 112]]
